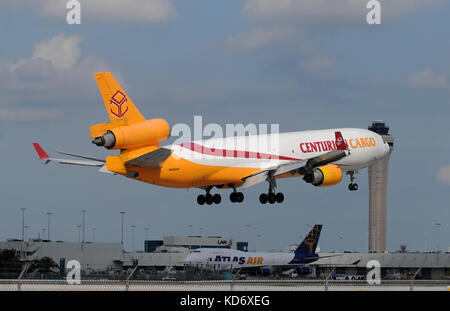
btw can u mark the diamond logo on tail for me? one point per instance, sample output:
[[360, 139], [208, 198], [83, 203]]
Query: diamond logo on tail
[[119, 106]]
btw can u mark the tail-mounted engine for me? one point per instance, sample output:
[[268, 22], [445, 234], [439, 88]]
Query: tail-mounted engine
[[146, 133]]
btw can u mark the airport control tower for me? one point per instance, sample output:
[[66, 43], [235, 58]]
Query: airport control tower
[[378, 175]]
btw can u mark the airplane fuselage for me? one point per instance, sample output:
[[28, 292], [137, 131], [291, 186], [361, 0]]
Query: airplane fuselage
[[226, 161], [241, 160], [228, 258]]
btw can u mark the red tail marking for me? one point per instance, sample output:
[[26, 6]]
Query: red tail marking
[[42, 154], [340, 143]]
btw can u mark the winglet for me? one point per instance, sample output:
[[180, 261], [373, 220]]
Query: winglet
[[340, 143], [42, 154]]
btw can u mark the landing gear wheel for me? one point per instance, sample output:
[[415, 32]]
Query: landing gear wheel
[[271, 197], [239, 197], [233, 197], [201, 199], [236, 197], [209, 199], [353, 187], [279, 197], [217, 198], [263, 198]]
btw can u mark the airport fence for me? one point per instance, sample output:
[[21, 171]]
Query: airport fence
[[222, 285]]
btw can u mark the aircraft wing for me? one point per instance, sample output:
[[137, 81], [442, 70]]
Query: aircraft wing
[[300, 166], [264, 175], [151, 159], [92, 162]]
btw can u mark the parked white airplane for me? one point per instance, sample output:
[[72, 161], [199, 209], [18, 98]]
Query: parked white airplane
[[264, 263], [320, 156]]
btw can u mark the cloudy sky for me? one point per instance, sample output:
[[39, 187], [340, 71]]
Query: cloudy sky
[[305, 64]]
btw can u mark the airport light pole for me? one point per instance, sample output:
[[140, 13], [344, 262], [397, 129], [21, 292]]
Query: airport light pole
[[23, 222], [26, 229], [248, 240], [132, 239], [340, 240], [43, 234], [426, 242], [122, 213], [438, 225], [79, 230], [82, 243], [84, 213], [23, 231], [257, 235], [48, 225], [93, 234]]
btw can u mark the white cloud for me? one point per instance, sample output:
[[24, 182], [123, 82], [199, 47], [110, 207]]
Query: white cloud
[[443, 175], [258, 38], [110, 10], [40, 87], [327, 11], [426, 79], [62, 52]]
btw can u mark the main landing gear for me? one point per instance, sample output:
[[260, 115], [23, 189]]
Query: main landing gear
[[271, 196], [352, 186], [236, 197], [209, 198]]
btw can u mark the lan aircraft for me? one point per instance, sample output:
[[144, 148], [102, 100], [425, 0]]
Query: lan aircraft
[[320, 157], [263, 263]]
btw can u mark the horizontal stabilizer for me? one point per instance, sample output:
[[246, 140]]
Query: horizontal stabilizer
[[81, 156], [44, 156]]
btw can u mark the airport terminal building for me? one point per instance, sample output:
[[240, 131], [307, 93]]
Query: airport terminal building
[[110, 259], [394, 266]]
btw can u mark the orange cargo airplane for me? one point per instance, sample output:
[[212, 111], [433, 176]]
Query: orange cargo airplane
[[319, 156]]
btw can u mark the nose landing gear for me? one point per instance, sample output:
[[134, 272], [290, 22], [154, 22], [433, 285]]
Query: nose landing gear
[[352, 186]]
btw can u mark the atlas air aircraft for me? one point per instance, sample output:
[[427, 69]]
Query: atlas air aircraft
[[263, 263], [319, 157]]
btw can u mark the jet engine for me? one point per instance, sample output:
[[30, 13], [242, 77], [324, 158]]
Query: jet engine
[[265, 271], [146, 133], [327, 175]]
